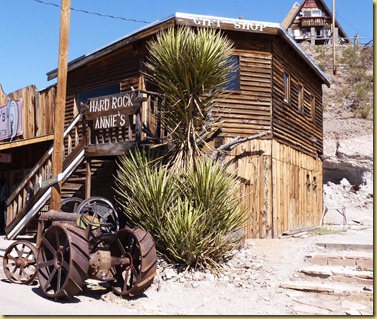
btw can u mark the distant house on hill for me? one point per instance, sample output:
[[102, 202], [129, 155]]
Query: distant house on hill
[[312, 21]]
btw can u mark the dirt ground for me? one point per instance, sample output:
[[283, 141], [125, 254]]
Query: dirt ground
[[249, 284]]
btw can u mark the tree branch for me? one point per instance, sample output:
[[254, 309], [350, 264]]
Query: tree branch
[[223, 150]]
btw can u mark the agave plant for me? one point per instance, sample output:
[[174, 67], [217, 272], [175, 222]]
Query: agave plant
[[190, 68], [192, 214]]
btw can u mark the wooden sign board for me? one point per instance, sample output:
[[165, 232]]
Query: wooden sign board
[[112, 110], [228, 24]]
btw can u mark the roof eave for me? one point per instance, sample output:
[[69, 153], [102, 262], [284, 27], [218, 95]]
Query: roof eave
[[84, 59], [326, 80], [127, 39]]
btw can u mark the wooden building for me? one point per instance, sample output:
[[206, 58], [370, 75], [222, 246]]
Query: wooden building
[[312, 21], [278, 88]]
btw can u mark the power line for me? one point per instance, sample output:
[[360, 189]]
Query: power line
[[344, 20], [93, 13]]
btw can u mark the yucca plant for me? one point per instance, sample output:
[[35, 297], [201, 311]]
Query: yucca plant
[[192, 214], [187, 203], [189, 67]]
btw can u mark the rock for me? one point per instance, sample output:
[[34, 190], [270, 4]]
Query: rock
[[168, 274], [196, 276], [210, 277], [194, 284], [345, 183]]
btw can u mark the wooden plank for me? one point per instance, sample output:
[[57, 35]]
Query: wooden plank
[[24, 142]]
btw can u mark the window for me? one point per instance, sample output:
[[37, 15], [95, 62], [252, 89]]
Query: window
[[83, 96], [312, 13], [312, 107], [234, 83], [300, 97], [287, 88], [316, 13]]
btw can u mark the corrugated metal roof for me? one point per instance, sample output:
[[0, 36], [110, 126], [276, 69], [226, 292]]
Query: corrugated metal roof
[[138, 34]]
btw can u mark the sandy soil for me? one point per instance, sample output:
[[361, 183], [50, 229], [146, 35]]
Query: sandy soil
[[250, 285]]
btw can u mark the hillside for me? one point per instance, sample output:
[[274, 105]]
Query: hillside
[[348, 130]]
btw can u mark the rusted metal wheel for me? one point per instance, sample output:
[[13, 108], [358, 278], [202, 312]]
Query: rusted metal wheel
[[137, 246], [99, 212], [20, 262], [70, 204], [63, 260]]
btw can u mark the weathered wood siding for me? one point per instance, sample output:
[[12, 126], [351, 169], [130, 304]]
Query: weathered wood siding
[[121, 67], [290, 126], [38, 110], [297, 189], [281, 178], [280, 186], [251, 161], [248, 111]]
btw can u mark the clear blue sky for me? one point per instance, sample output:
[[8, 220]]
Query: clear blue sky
[[29, 29]]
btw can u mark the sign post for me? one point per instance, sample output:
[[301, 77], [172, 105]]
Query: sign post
[[57, 154]]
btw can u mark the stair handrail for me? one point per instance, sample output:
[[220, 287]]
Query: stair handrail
[[31, 185], [45, 196]]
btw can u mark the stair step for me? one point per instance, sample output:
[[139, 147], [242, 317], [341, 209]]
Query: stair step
[[338, 274], [347, 246], [72, 186], [362, 261], [75, 180], [339, 289]]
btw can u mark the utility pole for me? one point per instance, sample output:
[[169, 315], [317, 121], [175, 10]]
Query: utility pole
[[57, 154], [333, 37]]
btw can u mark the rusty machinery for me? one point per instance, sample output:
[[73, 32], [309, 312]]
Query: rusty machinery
[[83, 241]]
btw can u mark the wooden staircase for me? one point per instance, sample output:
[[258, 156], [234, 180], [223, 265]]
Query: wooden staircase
[[87, 152]]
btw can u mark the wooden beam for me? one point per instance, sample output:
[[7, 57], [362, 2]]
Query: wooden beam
[[24, 142], [57, 155]]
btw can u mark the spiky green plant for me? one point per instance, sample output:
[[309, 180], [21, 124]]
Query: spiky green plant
[[189, 67], [192, 214]]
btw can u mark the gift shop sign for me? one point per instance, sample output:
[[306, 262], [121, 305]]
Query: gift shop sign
[[237, 25], [232, 24], [11, 119], [112, 110]]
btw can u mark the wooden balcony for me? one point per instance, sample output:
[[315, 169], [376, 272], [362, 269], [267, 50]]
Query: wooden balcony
[[307, 22]]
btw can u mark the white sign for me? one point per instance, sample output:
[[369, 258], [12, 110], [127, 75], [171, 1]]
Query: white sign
[[237, 25], [11, 119]]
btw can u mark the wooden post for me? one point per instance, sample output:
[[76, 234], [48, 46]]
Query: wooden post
[[334, 38], [88, 180], [57, 155]]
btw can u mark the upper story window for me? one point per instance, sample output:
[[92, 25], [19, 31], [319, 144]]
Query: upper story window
[[312, 13], [300, 99], [234, 83], [312, 107], [83, 96], [287, 87], [316, 13]]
